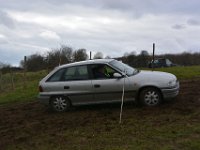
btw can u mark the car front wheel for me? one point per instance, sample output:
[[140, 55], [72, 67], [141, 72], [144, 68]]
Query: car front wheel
[[59, 103], [150, 97]]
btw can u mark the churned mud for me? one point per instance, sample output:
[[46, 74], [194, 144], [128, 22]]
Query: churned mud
[[24, 122]]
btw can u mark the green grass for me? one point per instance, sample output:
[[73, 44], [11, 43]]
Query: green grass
[[25, 87], [29, 92], [187, 72]]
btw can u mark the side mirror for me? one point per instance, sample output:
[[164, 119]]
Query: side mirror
[[117, 75]]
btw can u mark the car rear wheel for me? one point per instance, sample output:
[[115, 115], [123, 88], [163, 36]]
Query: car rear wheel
[[150, 97], [60, 103]]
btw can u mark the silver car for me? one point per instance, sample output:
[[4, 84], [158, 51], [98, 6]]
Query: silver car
[[102, 81]]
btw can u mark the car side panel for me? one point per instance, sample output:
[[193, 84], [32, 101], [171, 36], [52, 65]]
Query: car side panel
[[111, 90], [77, 91]]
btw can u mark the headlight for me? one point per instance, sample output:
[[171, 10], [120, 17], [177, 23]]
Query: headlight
[[172, 83]]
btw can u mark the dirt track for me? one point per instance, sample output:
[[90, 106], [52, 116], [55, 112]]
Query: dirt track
[[19, 123]]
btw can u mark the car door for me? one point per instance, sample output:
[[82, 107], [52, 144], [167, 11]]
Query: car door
[[73, 82], [109, 89]]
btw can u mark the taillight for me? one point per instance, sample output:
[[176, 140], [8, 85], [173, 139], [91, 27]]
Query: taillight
[[40, 89]]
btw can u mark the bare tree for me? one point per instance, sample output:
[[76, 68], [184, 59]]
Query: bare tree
[[59, 56], [5, 68], [80, 55], [34, 62], [66, 54]]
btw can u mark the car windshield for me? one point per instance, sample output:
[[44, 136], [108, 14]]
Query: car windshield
[[123, 67]]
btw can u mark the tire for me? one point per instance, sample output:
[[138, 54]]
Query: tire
[[60, 103], [150, 97]]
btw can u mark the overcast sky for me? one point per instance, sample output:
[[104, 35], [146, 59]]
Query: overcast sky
[[112, 27]]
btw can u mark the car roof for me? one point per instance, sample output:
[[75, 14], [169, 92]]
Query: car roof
[[86, 62]]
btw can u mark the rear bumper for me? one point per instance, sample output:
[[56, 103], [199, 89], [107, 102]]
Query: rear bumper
[[44, 99], [170, 92]]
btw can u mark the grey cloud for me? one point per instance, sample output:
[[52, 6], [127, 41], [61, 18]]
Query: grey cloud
[[134, 25], [193, 22], [3, 41], [139, 8], [178, 26], [6, 20], [133, 7]]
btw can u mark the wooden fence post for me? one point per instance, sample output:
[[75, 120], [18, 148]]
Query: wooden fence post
[[90, 55], [153, 56]]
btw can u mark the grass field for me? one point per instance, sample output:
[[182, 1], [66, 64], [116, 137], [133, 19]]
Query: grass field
[[183, 72], [29, 92], [25, 88]]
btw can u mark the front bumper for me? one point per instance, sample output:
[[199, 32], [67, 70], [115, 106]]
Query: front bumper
[[171, 92]]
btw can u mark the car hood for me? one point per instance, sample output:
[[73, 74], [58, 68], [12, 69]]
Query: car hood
[[157, 78], [156, 75]]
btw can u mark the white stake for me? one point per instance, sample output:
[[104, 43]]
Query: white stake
[[122, 103]]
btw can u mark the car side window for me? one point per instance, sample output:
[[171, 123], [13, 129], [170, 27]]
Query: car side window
[[101, 71], [56, 76], [70, 73], [76, 73]]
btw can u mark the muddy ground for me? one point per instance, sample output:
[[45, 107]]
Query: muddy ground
[[21, 124]]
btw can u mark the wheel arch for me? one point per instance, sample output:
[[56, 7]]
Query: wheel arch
[[147, 86], [52, 96]]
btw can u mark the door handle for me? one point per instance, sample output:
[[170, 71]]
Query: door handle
[[97, 86], [66, 87]]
